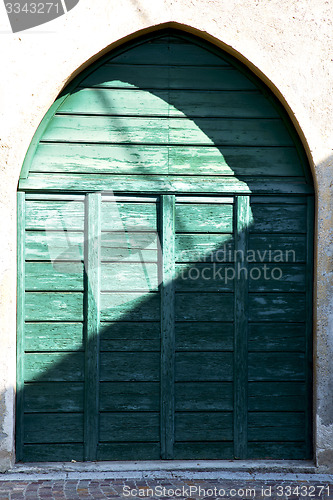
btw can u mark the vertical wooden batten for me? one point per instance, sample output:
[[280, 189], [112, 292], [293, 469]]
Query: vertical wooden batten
[[167, 326], [92, 312], [241, 228]]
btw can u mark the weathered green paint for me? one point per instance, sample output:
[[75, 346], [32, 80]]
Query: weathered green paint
[[202, 396], [243, 220], [168, 223], [226, 104], [130, 396], [204, 426], [54, 367], [121, 354], [151, 184], [164, 77], [130, 366], [53, 428], [49, 336], [168, 50], [130, 426], [136, 159], [202, 131], [66, 397], [277, 396], [92, 321]]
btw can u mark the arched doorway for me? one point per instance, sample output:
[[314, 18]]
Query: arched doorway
[[165, 265]]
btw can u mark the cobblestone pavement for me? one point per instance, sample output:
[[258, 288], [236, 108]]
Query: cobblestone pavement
[[166, 489]]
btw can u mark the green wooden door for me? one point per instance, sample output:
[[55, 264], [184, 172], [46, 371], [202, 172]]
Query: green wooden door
[[165, 266]]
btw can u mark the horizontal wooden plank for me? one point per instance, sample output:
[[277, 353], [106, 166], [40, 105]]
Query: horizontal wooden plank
[[53, 452], [279, 337], [275, 307], [100, 158], [277, 200], [199, 131], [239, 161], [116, 102], [102, 129], [195, 218], [55, 367], [50, 215], [126, 276], [124, 336], [53, 397], [197, 336], [54, 245], [278, 218], [53, 428], [205, 426], [277, 396], [196, 306], [277, 277], [59, 276], [276, 426], [221, 200], [274, 366], [206, 277], [137, 159], [53, 306], [166, 103], [158, 184], [131, 345], [129, 396], [277, 248], [204, 396], [110, 252], [132, 217], [134, 426], [204, 247], [53, 337], [169, 51], [126, 331], [165, 77], [204, 366], [277, 450], [132, 241], [229, 131], [134, 306], [220, 104], [223, 450], [67, 197], [128, 451], [130, 366]]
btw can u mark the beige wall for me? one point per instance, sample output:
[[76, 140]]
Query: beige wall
[[287, 42]]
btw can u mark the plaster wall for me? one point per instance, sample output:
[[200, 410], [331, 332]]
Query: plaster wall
[[286, 42]]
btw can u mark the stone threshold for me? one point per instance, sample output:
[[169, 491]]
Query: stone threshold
[[169, 469]]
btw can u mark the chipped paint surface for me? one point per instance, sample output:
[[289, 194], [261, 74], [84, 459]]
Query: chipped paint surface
[[287, 43]]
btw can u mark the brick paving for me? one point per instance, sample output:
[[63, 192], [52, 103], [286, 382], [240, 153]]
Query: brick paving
[[160, 489]]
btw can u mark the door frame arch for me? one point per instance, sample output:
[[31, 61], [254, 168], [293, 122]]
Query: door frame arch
[[119, 45]]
